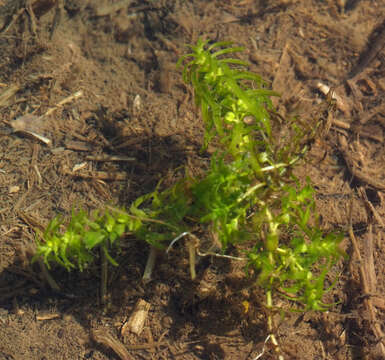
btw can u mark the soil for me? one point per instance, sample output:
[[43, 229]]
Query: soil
[[121, 56]]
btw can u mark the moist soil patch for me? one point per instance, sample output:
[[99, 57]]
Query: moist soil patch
[[97, 80]]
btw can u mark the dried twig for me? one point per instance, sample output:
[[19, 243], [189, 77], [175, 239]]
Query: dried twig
[[32, 17], [14, 19], [103, 337], [100, 175], [78, 145], [369, 206], [109, 158], [371, 113], [61, 103]]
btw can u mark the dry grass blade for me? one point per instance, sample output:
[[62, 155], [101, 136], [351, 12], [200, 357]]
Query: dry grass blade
[[109, 9], [7, 94]]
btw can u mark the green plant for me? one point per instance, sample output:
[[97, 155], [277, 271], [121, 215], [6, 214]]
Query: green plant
[[249, 193], [74, 249]]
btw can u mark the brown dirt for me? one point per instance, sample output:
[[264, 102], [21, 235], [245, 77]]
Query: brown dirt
[[134, 104]]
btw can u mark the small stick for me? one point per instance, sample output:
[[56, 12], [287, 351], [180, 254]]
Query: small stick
[[101, 175], [109, 158], [14, 18], [344, 125], [341, 124], [103, 337], [372, 112], [371, 207], [77, 145], [63, 102], [39, 137], [32, 17]]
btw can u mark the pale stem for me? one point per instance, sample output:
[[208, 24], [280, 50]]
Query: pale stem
[[149, 265], [192, 251], [269, 305], [50, 280], [103, 276]]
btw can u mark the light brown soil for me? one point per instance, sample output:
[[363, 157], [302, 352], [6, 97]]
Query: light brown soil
[[134, 104]]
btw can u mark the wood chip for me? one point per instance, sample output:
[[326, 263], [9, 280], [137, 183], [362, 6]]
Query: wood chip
[[78, 145], [13, 189], [31, 125], [136, 321]]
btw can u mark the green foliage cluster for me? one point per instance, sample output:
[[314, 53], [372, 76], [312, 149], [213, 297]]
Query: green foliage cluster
[[74, 248], [248, 194]]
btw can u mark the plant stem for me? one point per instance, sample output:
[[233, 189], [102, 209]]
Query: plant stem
[[270, 327], [192, 259], [149, 265], [104, 276], [50, 280]]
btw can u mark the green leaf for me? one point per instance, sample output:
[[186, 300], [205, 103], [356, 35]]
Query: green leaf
[[93, 239]]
